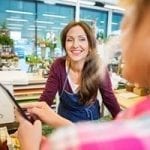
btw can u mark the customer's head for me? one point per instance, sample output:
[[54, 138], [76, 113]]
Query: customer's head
[[136, 42]]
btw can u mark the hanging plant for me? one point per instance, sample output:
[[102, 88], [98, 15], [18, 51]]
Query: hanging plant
[[6, 40], [50, 44]]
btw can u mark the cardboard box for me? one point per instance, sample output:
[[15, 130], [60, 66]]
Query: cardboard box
[[140, 91]]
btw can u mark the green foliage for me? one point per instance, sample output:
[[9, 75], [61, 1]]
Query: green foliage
[[4, 35], [33, 59], [45, 63], [6, 40], [50, 44], [46, 43], [46, 130], [101, 37]]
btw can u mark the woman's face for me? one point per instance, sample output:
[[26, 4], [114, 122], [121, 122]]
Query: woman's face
[[77, 46], [136, 50]]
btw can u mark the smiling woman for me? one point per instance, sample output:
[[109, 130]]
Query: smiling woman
[[77, 77], [79, 43]]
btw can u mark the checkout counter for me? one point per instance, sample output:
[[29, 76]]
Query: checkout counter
[[30, 90], [127, 99], [27, 87]]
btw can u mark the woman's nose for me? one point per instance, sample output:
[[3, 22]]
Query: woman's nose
[[75, 43]]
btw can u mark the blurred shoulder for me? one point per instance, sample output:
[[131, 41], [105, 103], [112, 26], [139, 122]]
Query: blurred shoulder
[[140, 109], [94, 135]]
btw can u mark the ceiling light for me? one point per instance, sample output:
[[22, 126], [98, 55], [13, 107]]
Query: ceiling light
[[15, 19], [55, 16], [102, 22], [63, 24], [88, 20], [14, 28], [45, 22], [33, 29], [33, 26], [115, 23], [13, 24], [19, 12], [57, 28]]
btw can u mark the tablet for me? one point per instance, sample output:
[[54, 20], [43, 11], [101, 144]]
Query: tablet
[[9, 97]]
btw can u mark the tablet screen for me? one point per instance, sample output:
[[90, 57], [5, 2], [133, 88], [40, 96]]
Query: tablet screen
[[8, 97]]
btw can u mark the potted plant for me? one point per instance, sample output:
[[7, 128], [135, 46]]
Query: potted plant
[[5, 40]]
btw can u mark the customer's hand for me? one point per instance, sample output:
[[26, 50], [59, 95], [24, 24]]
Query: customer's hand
[[46, 114], [29, 135]]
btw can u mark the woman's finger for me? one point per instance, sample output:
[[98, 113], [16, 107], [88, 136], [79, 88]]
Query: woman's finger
[[34, 104], [38, 124]]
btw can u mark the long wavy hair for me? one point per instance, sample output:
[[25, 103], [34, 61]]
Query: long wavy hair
[[90, 77]]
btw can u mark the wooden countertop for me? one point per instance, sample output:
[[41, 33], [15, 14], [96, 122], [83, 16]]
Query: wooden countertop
[[127, 99], [35, 78]]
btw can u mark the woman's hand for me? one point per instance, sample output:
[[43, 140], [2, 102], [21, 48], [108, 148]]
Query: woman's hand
[[46, 114], [29, 135]]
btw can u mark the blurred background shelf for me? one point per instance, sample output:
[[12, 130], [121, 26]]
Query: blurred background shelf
[[30, 91], [27, 97]]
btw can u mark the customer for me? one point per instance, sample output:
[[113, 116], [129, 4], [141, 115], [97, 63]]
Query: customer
[[78, 76], [130, 132]]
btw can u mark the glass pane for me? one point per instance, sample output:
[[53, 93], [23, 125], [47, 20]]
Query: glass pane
[[116, 20], [97, 18]]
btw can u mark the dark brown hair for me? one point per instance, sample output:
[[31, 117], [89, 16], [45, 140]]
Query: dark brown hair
[[90, 73]]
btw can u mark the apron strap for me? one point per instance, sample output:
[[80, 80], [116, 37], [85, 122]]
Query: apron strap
[[65, 82], [89, 113]]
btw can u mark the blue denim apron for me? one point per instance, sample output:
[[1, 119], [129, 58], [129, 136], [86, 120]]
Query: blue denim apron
[[71, 109]]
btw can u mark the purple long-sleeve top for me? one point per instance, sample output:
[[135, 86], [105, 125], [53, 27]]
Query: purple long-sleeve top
[[55, 82]]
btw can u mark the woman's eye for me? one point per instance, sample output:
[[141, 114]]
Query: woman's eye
[[69, 40], [82, 39]]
